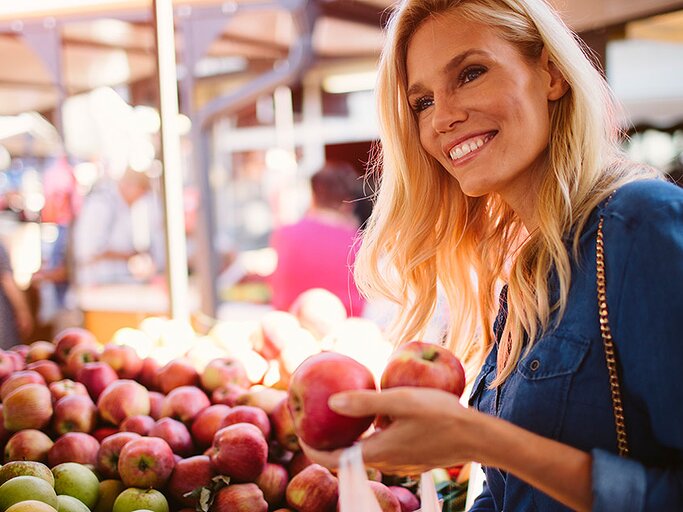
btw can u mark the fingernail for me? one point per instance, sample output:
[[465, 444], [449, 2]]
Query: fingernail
[[337, 401]]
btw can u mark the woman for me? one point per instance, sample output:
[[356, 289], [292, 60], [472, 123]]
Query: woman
[[517, 161]]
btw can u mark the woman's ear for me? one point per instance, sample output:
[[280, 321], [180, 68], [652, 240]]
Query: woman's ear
[[557, 86]]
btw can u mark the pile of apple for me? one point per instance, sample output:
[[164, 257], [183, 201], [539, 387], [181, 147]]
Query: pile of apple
[[162, 419]]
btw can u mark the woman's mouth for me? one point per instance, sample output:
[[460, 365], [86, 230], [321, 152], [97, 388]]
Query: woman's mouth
[[470, 146]]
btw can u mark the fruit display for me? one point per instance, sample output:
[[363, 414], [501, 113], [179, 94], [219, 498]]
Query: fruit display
[[161, 418]]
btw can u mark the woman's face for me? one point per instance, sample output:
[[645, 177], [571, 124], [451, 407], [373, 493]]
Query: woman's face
[[482, 108]]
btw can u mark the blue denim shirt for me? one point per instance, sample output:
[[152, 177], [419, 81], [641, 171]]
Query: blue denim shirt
[[560, 389]]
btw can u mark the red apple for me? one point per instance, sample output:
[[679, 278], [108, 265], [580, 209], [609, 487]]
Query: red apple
[[149, 373], [104, 432], [66, 387], [28, 406], [74, 447], [108, 454], [407, 500], [283, 426], [17, 359], [262, 397], [69, 338], [121, 399], [78, 357], [227, 395], [207, 423], [176, 373], [48, 369], [239, 498], [319, 311], [140, 424], [96, 377], [74, 413], [388, 502], [248, 414], [222, 371], [18, 379], [319, 377], [315, 489], [298, 463], [123, 359], [20, 349], [273, 482], [4, 433], [6, 365], [275, 328], [188, 475], [28, 444], [156, 402], [239, 451], [175, 434], [146, 462], [39, 351], [184, 403]]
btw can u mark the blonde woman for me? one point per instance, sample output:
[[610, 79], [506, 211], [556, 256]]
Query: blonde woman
[[500, 155]]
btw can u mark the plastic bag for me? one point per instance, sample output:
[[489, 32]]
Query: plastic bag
[[355, 494]]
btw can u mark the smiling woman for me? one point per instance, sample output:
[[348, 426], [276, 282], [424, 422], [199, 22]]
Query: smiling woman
[[493, 115]]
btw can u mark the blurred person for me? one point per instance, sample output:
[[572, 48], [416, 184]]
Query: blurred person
[[16, 322], [318, 250], [104, 244]]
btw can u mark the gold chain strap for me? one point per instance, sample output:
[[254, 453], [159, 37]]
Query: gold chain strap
[[610, 355]]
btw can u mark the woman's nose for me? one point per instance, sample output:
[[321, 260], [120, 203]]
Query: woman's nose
[[447, 114]]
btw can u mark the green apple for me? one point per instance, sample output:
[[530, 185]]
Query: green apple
[[71, 504], [77, 481], [109, 491], [26, 468], [133, 499], [31, 506], [22, 488]]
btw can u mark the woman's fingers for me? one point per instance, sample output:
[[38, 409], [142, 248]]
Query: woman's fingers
[[395, 402]]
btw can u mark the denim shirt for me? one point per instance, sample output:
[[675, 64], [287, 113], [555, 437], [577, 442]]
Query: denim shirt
[[561, 389]]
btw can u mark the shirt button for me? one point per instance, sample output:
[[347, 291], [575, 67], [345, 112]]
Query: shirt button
[[535, 365]]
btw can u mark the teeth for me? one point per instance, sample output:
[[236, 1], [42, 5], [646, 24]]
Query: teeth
[[467, 147]]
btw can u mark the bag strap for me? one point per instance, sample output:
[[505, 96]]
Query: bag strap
[[608, 342]]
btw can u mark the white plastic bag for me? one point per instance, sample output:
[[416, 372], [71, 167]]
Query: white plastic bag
[[355, 494]]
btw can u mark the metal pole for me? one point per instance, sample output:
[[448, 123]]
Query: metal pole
[[172, 181]]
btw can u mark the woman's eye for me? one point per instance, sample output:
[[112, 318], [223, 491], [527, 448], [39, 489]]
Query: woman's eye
[[421, 104], [471, 73]]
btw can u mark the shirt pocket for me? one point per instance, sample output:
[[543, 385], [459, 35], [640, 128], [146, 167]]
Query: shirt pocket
[[543, 383], [479, 389]]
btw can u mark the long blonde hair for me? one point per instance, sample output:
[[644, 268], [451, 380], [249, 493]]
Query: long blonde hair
[[424, 229]]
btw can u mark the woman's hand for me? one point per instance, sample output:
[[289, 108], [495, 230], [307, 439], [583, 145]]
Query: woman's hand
[[429, 428]]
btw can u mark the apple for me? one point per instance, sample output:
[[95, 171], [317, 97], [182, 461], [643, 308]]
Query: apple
[[108, 492], [407, 500], [248, 414], [424, 364], [67, 339], [207, 423], [70, 504], [318, 378], [18, 360], [31, 506], [40, 350], [240, 498], [239, 451], [74, 413], [26, 468], [273, 482], [176, 373], [156, 402], [20, 349], [22, 488], [140, 424], [104, 432], [319, 311], [184, 403], [146, 462], [299, 346], [315, 489], [283, 426], [6, 365], [96, 377], [48, 369], [227, 395], [299, 462], [109, 452], [78, 481], [175, 433], [74, 447], [121, 399], [388, 502], [29, 444], [66, 387], [18, 379], [123, 359], [149, 373], [222, 371], [133, 499], [188, 475], [262, 397], [275, 327], [4, 433], [27, 407]]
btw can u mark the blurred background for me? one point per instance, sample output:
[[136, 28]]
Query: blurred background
[[264, 94]]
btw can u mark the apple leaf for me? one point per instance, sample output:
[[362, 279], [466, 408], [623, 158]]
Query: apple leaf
[[205, 495]]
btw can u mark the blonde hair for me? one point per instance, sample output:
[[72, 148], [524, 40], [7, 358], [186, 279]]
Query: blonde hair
[[424, 229]]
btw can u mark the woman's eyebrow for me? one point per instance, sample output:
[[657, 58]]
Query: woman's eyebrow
[[452, 64]]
